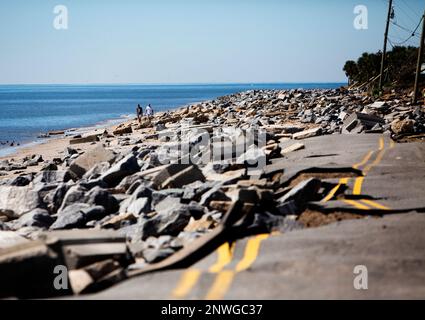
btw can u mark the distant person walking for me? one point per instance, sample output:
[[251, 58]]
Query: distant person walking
[[149, 111], [139, 112]]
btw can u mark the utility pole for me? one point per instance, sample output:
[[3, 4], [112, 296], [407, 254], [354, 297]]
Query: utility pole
[[384, 51], [419, 65]]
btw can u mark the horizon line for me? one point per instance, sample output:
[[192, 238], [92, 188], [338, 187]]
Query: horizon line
[[171, 83]]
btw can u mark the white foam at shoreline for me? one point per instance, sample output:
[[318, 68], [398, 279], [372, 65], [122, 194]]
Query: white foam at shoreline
[[7, 151]]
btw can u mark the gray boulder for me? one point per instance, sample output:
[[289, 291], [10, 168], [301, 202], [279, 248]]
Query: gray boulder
[[34, 160], [158, 196], [71, 217], [75, 194], [213, 194], [96, 197], [120, 170], [20, 181], [100, 197], [139, 206], [50, 166], [96, 171], [77, 215], [91, 158], [184, 177], [54, 198], [36, 218], [141, 192], [4, 226], [154, 255], [16, 201], [49, 176], [171, 218]]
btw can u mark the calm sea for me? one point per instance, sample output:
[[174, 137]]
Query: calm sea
[[28, 110]]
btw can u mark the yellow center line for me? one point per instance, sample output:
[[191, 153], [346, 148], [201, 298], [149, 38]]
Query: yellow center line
[[251, 252], [381, 143], [221, 284], [225, 255], [343, 181], [191, 276], [331, 193], [377, 160], [187, 282], [358, 182], [364, 161], [356, 204], [374, 204], [365, 204], [357, 189], [224, 278]]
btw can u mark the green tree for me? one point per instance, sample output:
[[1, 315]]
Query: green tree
[[401, 64], [351, 71]]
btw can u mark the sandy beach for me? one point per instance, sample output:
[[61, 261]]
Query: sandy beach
[[53, 147]]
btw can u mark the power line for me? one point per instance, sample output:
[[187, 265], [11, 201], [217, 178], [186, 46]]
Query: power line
[[410, 8], [407, 15], [395, 21], [403, 19], [406, 29], [413, 32], [395, 33], [400, 43]]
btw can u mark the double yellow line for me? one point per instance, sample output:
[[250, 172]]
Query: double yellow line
[[223, 277], [362, 204]]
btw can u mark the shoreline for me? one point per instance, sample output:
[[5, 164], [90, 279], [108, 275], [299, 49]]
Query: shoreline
[[69, 133], [38, 147], [33, 137], [53, 147], [23, 149]]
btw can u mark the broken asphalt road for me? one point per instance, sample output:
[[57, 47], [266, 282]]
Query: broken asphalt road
[[319, 262]]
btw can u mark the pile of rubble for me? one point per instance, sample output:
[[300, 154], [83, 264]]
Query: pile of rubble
[[333, 111], [164, 192]]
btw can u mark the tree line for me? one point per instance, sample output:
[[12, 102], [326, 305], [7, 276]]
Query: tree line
[[400, 68]]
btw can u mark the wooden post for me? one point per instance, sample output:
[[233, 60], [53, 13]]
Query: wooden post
[[419, 65], [384, 51]]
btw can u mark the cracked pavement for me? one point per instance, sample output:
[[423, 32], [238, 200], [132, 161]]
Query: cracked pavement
[[318, 263]]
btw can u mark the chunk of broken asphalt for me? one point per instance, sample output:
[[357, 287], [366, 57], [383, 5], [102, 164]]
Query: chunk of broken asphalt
[[295, 201]]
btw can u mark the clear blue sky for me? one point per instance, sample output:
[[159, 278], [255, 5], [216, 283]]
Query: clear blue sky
[[191, 41]]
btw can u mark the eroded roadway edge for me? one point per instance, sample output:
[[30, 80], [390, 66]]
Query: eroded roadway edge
[[319, 262]]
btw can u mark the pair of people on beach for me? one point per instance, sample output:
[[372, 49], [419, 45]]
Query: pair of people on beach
[[148, 112]]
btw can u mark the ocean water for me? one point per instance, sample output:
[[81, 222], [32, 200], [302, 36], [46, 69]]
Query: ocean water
[[29, 110]]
